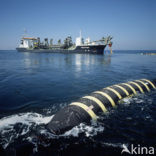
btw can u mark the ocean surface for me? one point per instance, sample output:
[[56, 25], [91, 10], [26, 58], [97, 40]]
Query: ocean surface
[[34, 86]]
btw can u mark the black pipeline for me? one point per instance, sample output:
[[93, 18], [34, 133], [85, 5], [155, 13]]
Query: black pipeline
[[87, 107]]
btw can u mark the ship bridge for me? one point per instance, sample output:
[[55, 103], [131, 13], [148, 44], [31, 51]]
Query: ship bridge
[[28, 42]]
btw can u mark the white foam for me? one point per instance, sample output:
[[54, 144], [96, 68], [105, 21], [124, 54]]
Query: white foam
[[82, 128], [24, 118], [9, 133], [140, 98], [126, 100], [113, 144]]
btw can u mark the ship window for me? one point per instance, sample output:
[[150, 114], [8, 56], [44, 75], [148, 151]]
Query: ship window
[[21, 41]]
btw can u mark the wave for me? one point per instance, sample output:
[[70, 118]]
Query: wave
[[13, 126], [28, 126]]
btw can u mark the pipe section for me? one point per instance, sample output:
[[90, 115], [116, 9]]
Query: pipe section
[[88, 107]]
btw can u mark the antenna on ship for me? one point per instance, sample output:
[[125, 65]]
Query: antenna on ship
[[25, 32], [80, 34]]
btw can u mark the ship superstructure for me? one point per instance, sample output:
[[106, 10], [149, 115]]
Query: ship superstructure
[[32, 44]]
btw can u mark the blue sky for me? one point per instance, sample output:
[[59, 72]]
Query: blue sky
[[132, 23]]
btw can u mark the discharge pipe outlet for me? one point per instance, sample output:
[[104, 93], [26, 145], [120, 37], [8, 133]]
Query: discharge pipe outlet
[[87, 108]]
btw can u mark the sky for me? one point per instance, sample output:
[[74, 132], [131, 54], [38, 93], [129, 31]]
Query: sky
[[132, 23]]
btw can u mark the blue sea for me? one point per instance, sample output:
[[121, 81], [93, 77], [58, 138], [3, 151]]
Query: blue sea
[[34, 86]]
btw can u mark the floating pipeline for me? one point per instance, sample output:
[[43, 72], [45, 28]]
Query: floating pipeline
[[87, 107], [148, 53]]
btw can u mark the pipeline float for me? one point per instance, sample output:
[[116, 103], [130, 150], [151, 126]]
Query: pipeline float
[[87, 108]]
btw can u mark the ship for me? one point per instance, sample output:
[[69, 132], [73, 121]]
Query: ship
[[33, 44]]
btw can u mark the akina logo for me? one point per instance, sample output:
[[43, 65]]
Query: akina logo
[[137, 149]]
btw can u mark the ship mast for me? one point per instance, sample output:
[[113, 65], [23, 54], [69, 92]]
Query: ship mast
[[25, 32], [80, 34]]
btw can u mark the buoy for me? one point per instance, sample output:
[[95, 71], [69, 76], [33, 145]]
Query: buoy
[[87, 108]]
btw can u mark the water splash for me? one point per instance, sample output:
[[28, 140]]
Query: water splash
[[14, 126], [91, 130]]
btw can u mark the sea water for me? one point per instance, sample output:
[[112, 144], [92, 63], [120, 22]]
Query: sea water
[[34, 86]]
